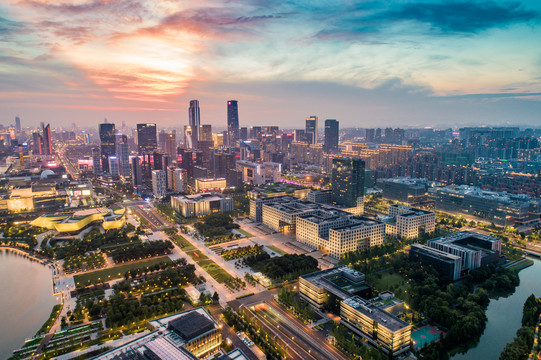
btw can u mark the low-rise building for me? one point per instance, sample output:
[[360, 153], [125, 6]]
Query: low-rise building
[[404, 189], [259, 173], [447, 265], [202, 185], [406, 222], [201, 204], [474, 250]]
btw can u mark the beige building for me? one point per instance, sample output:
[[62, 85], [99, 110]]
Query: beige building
[[210, 185], [406, 222]]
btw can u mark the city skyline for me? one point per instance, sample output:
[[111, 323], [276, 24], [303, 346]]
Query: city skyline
[[423, 63]]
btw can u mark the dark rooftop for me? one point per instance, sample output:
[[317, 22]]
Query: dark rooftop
[[191, 325]]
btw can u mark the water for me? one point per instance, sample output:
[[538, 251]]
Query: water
[[26, 299], [505, 316]]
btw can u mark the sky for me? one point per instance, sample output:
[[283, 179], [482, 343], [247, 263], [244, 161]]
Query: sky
[[365, 63]]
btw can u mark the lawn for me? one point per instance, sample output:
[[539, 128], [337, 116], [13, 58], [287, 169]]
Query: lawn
[[245, 233], [184, 244], [387, 281], [116, 272], [275, 249], [219, 274]]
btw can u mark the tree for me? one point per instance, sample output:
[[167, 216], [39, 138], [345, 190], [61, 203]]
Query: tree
[[215, 297]]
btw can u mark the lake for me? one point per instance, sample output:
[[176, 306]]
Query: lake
[[26, 299]]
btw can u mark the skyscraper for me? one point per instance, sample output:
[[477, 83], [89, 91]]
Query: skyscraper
[[158, 183], [136, 172], [96, 160], [37, 141], [17, 124], [331, 135], [107, 144], [311, 128], [347, 181], [205, 132], [147, 142], [114, 166], [194, 122], [47, 142], [233, 120], [124, 156]]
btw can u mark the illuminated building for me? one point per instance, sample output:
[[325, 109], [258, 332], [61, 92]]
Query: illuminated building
[[406, 222], [96, 161], [194, 119], [331, 135], [233, 119], [311, 129], [447, 265], [404, 189], [159, 183], [201, 204], [114, 166], [259, 174], [202, 185]]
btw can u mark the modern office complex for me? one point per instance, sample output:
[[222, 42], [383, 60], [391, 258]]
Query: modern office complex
[[406, 222], [449, 266], [188, 335], [475, 250], [347, 181], [500, 208], [147, 142], [201, 204], [311, 129], [373, 321], [259, 174], [381, 329], [404, 189]]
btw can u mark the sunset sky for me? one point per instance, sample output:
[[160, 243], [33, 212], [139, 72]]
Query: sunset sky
[[364, 63]]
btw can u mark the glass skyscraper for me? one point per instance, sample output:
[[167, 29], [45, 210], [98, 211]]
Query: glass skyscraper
[[194, 122], [347, 181], [107, 144], [147, 142], [233, 119], [331, 135]]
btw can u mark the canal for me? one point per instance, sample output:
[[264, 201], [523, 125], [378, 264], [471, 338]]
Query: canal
[[504, 317], [26, 299]]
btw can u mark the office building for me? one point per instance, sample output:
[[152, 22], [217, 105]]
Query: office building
[[406, 222], [474, 250], [47, 140], [320, 196], [159, 186], [348, 181], [37, 141], [201, 204], [203, 185], [124, 157], [114, 166], [331, 135], [311, 129], [447, 265], [404, 189], [189, 335], [194, 119], [372, 321], [499, 208], [205, 133], [147, 142], [96, 161], [107, 144], [259, 174], [374, 325], [243, 133], [233, 119]]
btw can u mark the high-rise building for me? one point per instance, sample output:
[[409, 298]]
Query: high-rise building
[[243, 134], [162, 136], [96, 160], [168, 142], [311, 128], [205, 132], [331, 135], [124, 157], [146, 138], [47, 141], [107, 144], [114, 166], [233, 119], [188, 137], [194, 118], [347, 181], [37, 141], [175, 178], [136, 172], [158, 183], [18, 124]]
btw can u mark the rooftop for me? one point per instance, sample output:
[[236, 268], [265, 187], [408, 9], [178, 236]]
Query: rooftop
[[382, 317], [191, 325], [357, 222]]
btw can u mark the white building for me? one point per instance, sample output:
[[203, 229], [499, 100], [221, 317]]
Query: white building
[[201, 204], [158, 183], [259, 174], [175, 178], [406, 222], [114, 166]]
